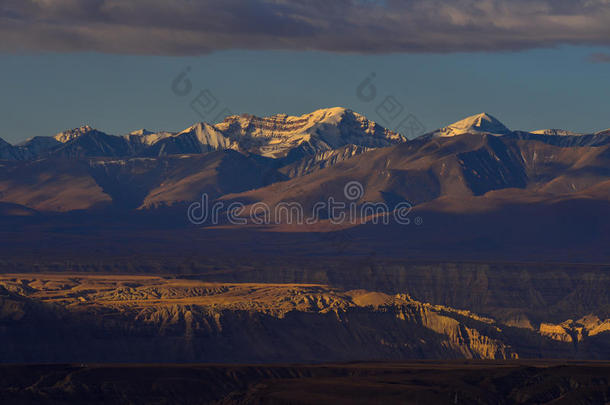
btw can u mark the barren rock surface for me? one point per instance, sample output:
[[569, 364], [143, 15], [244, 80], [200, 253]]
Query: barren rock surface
[[45, 317]]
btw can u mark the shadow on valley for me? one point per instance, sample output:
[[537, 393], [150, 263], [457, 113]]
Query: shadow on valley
[[457, 382]]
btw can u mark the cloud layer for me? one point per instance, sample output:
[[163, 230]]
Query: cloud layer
[[188, 27]]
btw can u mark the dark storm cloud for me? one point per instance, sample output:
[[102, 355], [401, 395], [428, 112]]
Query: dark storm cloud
[[180, 27]]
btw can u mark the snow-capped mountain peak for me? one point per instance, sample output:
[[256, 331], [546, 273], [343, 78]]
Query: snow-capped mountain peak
[[477, 124], [320, 130], [207, 134], [279, 125], [67, 136]]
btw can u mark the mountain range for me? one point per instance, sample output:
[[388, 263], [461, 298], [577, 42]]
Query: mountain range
[[458, 177], [277, 137], [504, 253]]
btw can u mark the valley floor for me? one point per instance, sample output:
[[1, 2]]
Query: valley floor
[[423, 382]]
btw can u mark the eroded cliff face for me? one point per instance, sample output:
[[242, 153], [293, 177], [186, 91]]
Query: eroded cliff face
[[146, 318], [521, 295]]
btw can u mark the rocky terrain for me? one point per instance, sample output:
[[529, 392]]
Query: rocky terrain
[[503, 261], [278, 137], [77, 318]]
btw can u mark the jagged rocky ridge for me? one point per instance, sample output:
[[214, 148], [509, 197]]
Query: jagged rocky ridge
[[127, 318], [85, 168], [279, 136]]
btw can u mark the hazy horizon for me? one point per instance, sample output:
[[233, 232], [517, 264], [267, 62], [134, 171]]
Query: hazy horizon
[[527, 90]]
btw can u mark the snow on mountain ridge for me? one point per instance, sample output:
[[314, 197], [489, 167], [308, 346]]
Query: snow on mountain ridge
[[276, 136], [141, 132], [482, 123], [556, 132], [207, 134], [70, 134], [604, 132], [146, 137], [320, 130]]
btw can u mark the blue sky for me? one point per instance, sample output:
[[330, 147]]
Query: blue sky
[[43, 93], [110, 63]]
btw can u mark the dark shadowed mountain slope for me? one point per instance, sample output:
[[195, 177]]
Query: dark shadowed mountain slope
[[200, 138], [460, 166], [51, 185], [7, 151], [94, 143], [65, 184], [215, 174], [38, 146]]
